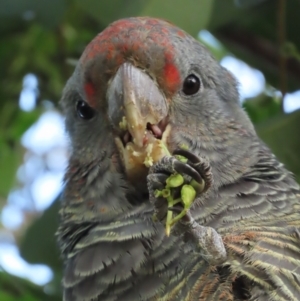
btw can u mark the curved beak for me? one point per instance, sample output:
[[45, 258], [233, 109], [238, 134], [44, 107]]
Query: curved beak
[[134, 101]]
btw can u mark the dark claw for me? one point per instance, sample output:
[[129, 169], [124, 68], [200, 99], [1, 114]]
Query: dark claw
[[187, 154], [171, 164], [183, 168], [200, 165]]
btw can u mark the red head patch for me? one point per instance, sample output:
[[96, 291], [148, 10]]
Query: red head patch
[[145, 42]]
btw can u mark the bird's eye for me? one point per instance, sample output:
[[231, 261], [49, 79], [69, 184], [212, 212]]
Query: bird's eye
[[191, 85], [84, 111]]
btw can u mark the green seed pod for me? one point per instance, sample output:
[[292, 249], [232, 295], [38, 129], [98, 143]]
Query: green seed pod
[[166, 192], [175, 180], [188, 194], [199, 187], [157, 193], [184, 146], [181, 158]]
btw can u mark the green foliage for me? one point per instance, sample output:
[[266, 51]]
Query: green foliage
[[192, 18], [281, 134], [14, 288], [262, 108], [44, 250], [13, 124]]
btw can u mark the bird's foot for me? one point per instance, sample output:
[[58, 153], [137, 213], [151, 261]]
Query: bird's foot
[[174, 183], [206, 240]]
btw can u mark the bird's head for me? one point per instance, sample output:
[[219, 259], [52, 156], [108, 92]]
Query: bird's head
[[142, 82]]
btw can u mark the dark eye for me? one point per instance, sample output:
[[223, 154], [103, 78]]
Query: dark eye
[[191, 85], [84, 111]]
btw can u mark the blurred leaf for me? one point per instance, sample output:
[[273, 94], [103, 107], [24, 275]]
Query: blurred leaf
[[107, 11], [191, 15], [281, 134], [39, 243], [47, 12], [233, 13], [10, 159], [13, 123], [252, 35], [13, 288], [290, 50], [262, 108]]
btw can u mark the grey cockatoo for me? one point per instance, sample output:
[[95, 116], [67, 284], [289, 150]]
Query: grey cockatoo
[[147, 103]]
